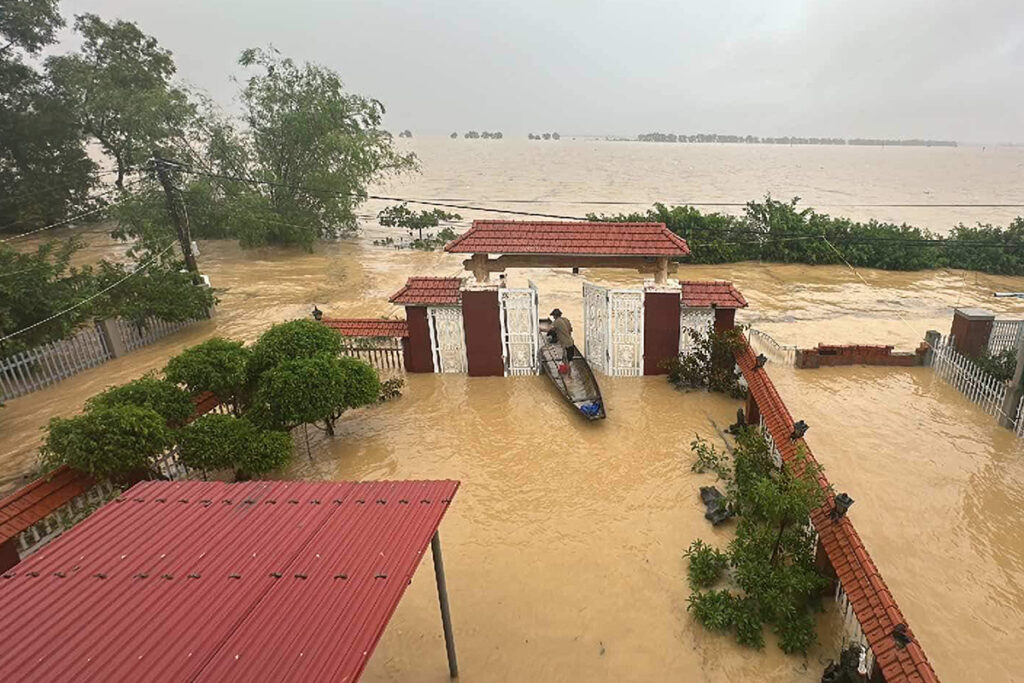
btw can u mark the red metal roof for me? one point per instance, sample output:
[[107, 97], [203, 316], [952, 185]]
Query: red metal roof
[[368, 327], [429, 291], [871, 599], [207, 581], [36, 500], [701, 293], [581, 239]]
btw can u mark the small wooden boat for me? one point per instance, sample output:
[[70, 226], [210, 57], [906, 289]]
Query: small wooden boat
[[580, 390]]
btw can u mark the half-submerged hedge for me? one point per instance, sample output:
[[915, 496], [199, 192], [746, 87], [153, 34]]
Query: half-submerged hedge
[[781, 232]]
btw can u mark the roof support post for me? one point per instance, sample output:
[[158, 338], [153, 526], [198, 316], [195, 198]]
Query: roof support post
[[442, 596], [480, 270], [661, 272]]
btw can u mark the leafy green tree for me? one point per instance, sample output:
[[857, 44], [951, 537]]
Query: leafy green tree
[[44, 170], [119, 84], [772, 554], [155, 290], [217, 365], [292, 340], [306, 154], [401, 216], [108, 441], [215, 442], [37, 285], [161, 396]]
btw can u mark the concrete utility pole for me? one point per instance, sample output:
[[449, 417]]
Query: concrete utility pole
[[1013, 392], [178, 215]]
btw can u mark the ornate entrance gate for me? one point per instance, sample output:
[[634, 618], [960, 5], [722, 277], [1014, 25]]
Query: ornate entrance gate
[[520, 330], [699, 319], [613, 322], [595, 326], [447, 339]]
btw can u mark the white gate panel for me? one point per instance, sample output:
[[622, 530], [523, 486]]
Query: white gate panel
[[447, 339], [698, 319], [520, 330], [626, 326], [595, 326]]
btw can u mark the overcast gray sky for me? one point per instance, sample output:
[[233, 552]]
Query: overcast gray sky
[[950, 69]]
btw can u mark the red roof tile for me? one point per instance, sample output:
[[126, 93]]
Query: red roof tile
[[581, 239], [208, 581], [36, 500], [702, 293], [429, 291], [368, 327], [873, 604]]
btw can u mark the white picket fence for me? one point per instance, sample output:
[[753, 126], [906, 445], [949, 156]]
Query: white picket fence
[[31, 370], [41, 366], [63, 518], [1004, 335], [763, 342], [970, 380]]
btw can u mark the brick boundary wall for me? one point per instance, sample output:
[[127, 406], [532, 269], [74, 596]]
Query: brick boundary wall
[[832, 355], [872, 602]]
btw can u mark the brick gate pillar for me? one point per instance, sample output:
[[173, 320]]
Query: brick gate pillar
[[481, 320], [416, 350], [971, 329], [661, 326]]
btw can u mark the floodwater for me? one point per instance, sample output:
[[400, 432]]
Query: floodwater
[[563, 546]]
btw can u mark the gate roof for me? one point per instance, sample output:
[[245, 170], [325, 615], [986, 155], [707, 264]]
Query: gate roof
[[427, 291], [565, 238], [207, 581], [368, 327]]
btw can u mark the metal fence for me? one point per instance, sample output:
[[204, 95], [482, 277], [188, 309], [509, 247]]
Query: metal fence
[[31, 370], [1004, 335], [44, 365], [970, 380], [766, 344], [382, 353]]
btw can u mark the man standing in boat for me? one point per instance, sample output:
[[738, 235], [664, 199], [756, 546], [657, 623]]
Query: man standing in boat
[[563, 335]]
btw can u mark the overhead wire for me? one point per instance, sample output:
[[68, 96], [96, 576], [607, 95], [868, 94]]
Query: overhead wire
[[91, 297]]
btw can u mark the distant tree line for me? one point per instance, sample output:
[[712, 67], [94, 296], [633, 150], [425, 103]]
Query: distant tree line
[[475, 135], [781, 232], [543, 136], [787, 140]]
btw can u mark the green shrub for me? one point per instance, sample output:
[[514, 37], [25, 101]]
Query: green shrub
[[106, 441], [292, 341], [796, 633], [748, 622], [217, 365], [161, 396], [706, 564], [715, 610], [221, 441], [711, 363]]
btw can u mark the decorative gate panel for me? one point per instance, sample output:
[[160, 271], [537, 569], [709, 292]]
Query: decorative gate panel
[[520, 330], [626, 325], [447, 339], [595, 326], [698, 319]]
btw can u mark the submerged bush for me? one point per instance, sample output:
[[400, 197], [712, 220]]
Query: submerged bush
[[706, 564], [161, 396], [711, 363], [715, 610], [106, 441]]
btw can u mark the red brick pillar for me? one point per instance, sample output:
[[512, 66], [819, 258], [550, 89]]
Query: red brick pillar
[[9, 554], [661, 329], [971, 329], [481, 319], [725, 319], [416, 350]]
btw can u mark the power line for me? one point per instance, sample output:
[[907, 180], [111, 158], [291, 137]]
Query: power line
[[89, 298], [71, 219]]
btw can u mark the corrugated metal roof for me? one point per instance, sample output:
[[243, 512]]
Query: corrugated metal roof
[[702, 293], [426, 291], [368, 327], [207, 581], [872, 602], [580, 239]]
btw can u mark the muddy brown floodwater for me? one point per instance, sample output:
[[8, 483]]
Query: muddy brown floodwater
[[563, 546]]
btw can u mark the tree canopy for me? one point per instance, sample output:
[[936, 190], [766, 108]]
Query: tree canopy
[[216, 442], [292, 340], [165, 398], [217, 365]]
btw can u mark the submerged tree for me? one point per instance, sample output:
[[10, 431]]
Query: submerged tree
[[217, 365], [164, 398], [774, 580], [401, 216], [215, 442]]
